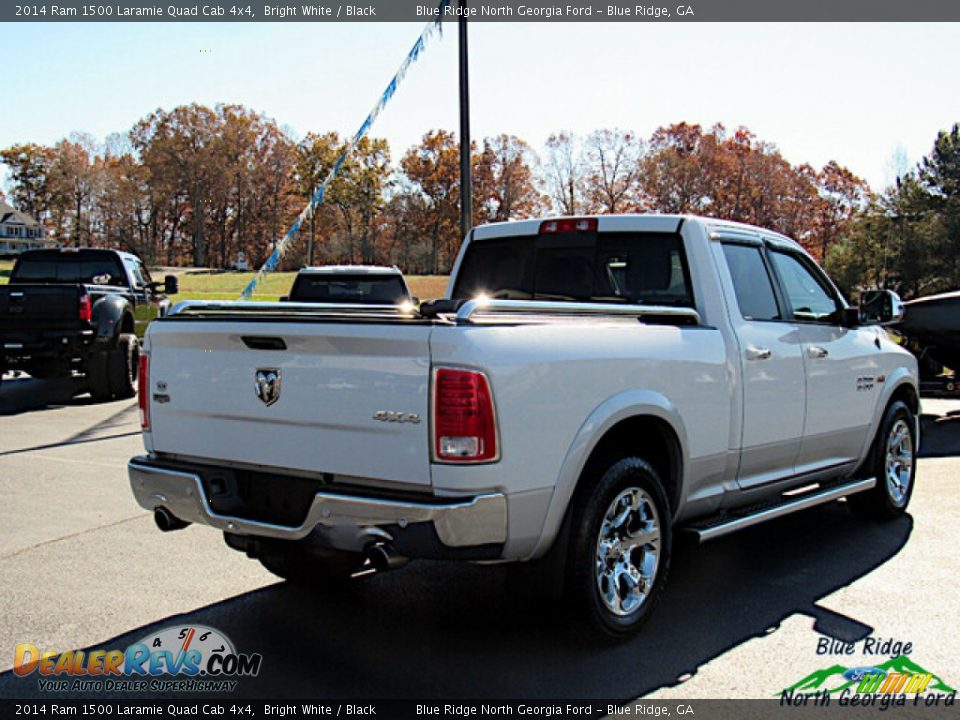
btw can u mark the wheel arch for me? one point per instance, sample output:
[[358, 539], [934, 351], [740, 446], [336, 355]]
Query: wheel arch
[[906, 392], [127, 324], [109, 315], [900, 385], [637, 422]]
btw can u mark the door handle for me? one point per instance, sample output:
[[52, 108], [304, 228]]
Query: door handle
[[754, 353], [815, 351]]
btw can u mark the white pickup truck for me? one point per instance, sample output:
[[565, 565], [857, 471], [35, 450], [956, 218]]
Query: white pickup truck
[[588, 388]]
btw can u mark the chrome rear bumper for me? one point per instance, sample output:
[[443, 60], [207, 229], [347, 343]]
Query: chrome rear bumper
[[478, 520]]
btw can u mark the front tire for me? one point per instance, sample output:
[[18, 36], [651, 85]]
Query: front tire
[[620, 549], [893, 462]]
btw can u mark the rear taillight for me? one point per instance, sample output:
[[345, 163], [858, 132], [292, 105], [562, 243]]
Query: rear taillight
[[464, 422], [86, 309], [143, 390], [549, 227]]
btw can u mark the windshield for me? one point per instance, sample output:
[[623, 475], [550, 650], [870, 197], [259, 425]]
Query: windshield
[[640, 268], [362, 289]]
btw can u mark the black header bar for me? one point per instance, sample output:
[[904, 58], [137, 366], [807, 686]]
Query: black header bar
[[480, 11]]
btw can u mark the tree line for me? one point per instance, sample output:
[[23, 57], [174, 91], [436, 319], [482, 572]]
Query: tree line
[[908, 237], [196, 185]]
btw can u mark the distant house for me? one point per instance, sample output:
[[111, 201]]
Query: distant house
[[19, 232]]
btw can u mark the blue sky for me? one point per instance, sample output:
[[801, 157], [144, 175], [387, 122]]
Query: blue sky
[[851, 92]]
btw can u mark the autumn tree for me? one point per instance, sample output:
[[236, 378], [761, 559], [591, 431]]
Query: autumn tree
[[908, 238], [841, 195], [613, 158], [675, 172], [315, 157], [29, 166], [73, 183], [503, 181], [359, 196], [433, 170], [562, 174]]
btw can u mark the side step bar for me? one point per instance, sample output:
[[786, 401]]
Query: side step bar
[[730, 524]]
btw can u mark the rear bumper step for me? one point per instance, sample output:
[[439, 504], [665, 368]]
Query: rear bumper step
[[729, 524], [479, 520]]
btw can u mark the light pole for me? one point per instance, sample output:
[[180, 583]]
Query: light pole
[[466, 183]]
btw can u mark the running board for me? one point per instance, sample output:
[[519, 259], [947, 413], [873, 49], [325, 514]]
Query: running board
[[733, 523]]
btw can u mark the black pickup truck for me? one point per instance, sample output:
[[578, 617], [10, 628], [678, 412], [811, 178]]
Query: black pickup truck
[[80, 309]]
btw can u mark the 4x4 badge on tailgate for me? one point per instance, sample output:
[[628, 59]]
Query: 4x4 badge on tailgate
[[268, 385]]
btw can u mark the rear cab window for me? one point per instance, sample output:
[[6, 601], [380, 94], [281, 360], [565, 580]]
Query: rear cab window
[[362, 289], [622, 267], [83, 268]]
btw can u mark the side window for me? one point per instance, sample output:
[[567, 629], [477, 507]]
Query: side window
[[134, 270], [751, 281], [808, 297]]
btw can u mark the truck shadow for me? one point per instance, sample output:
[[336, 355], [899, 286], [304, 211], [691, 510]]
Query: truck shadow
[[434, 630], [26, 394], [940, 435]]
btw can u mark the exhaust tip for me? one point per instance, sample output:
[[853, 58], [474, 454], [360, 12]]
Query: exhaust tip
[[382, 558], [167, 521]]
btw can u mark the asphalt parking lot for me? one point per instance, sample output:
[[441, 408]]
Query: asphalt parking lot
[[82, 566]]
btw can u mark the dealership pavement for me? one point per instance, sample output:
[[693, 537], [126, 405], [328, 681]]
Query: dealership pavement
[[82, 566]]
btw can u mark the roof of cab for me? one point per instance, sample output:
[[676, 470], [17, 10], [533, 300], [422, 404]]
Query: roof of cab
[[49, 252], [647, 222], [351, 270]]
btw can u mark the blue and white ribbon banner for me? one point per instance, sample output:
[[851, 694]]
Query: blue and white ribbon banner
[[416, 51]]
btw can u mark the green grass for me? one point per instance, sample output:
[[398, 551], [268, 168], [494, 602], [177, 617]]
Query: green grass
[[220, 296], [231, 284], [220, 285], [5, 267]]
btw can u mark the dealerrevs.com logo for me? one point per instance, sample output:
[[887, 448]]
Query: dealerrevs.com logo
[[189, 658]]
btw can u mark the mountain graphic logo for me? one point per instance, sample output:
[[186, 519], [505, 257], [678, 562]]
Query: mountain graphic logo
[[837, 678]]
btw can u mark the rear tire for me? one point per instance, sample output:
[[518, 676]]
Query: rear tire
[[98, 377], [122, 366], [113, 373], [893, 462], [620, 549]]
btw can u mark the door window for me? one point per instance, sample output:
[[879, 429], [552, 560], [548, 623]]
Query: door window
[[809, 298], [751, 282]]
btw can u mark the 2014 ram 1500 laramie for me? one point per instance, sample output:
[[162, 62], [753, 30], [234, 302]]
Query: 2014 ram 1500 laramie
[[588, 387]]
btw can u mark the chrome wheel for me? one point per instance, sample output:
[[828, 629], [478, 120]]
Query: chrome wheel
[[899, 463], [628, 551]]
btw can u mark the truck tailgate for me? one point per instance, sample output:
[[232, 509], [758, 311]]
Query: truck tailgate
[[334, 379], [38, 307]]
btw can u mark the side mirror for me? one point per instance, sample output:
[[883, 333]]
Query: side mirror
[[284, 298], [880, 307], [414, 300], [850, 317], [171, 286]]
